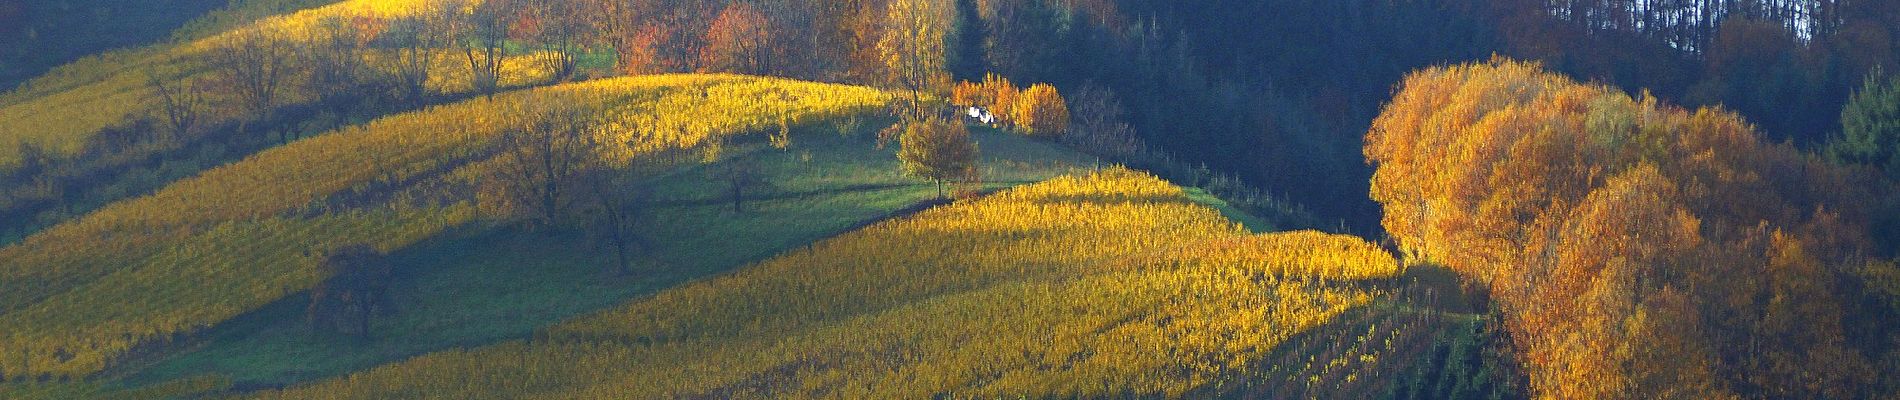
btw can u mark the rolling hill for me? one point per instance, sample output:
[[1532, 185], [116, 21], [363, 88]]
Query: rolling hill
[[1113, 283], [99, 129], [470, 199], [824, 184], [239, 236]]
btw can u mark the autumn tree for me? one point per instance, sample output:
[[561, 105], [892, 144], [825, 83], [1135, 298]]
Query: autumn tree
[[913, 50], [357, 288], [966, 94], [740, 41], [1041, 111], [1633, 249], [643, 52], [1870, 126], [995, 94], [802, 45], [937, 150], [252, 66]]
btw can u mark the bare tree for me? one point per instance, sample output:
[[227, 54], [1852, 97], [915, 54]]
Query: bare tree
[[338, 74], [623, 201], [180, 101], [483, 38], [741, 176], [415, 40], [557, 25], [623, 204], [543, 153], [253, 64]]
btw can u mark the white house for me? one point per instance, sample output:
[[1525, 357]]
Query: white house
[[981, 115]]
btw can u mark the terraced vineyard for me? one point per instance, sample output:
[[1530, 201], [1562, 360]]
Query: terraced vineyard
[[1062, 288], [239, 236], [1357, 356]]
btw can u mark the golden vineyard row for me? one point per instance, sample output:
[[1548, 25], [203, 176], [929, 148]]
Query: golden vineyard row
[[1066, 288]]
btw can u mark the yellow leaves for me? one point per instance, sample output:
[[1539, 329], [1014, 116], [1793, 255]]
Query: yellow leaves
[[913, 46], [1574, 201], [1041, 111]]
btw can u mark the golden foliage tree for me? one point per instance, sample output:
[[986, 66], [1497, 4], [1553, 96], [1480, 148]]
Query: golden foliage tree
[[1041, 111], [1634, 249], [937, 150], [913, 49]]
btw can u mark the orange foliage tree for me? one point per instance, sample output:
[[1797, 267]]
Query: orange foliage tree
[[994, 93], [1633, 249], [739, 41], [1039, 110], [644, 51]]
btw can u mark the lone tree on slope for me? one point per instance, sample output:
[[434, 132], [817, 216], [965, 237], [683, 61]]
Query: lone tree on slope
[[937, 150]]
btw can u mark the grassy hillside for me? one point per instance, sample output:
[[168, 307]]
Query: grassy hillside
[[486, 284], [94, 131], [35, 36], [1113, 283], [240, 236], [39, 36], [63, 108]]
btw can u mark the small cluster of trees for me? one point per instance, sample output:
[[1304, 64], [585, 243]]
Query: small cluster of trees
[[1037, 111]]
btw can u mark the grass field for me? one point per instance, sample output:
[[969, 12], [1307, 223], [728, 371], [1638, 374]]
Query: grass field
[[1061, 288]]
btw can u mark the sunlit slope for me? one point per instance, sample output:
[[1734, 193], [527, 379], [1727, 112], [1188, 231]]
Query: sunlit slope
[[233, 238], [63, 108], [1071, 287]]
